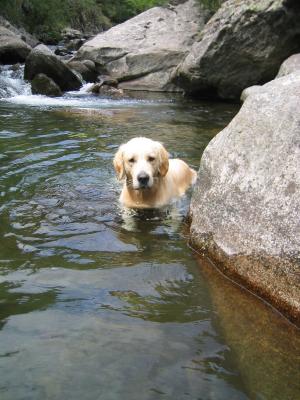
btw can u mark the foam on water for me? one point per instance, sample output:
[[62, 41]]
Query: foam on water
[[71, 100], [14, 89], [12, 82]]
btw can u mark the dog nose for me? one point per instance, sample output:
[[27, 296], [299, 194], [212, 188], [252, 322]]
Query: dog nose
[[143, 178]]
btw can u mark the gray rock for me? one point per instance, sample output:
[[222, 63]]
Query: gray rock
[[42, 84], [249, 91], [151, 44], [19, 32], [292, 64], [107, 80], [242, 45], [106, 90], [12, 48], [87, 73], [246, 204], [42, 60], [69, 34]]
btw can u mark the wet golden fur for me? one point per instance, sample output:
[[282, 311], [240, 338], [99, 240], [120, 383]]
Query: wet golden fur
[[166, 178]]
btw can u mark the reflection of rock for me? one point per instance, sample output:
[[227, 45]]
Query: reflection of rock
[[103, 241], [246, 204], [147, 48], [42, 84], [110, 116], [264, 345], [14, 303]]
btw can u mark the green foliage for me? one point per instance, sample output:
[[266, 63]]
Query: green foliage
[[211, 5], [119, 11], [46, 19]]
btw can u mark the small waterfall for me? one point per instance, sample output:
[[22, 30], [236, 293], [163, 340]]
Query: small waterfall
[[12, 82]]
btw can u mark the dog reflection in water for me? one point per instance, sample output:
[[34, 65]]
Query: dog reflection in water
[[150, 179]]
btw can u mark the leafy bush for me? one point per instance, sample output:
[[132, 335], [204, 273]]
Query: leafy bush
[[46, 19]]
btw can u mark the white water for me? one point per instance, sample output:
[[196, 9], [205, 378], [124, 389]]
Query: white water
[[14, 89], [12, 83]]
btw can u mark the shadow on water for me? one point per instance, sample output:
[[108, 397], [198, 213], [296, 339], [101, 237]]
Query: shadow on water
[[264, 345], [101, 304]]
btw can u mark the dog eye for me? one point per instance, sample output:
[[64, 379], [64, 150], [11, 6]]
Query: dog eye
[[131, 160], [151, 159]]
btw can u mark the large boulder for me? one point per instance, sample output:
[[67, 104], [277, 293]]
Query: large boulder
[[12, 48], [20, 32], [42, 84], [144, 51], [242, 45], [246, 204], [41, 60], [292, 64]]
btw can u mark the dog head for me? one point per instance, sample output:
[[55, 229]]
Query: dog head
[[141, 161]]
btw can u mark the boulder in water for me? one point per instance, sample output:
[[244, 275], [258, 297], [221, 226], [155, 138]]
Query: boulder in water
[[42, 84], [41, 60], [246, 204], [144, 51]]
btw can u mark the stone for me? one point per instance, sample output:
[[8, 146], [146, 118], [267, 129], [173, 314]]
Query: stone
[[248, 91], [292, 64], [246, 204], [242, 45], [107, 80], [42, 84], [12, 48], [106, 90], [87, 73], [69, 34], [152, 44], [19, 32], [42, 60]]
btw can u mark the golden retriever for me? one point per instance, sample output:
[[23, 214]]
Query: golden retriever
[[151, 179]]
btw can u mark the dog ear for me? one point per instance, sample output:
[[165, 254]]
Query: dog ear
[[119, 164], [164, 161]]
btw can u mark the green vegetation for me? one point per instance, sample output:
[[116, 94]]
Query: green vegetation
[[211, 5], [46, 19]]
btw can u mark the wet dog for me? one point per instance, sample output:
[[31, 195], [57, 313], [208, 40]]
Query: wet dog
[[151, 179]]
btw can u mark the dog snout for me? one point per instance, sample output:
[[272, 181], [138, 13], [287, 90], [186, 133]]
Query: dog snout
[[143, 179]]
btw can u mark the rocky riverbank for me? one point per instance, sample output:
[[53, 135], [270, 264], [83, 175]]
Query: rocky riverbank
[[245, 208]]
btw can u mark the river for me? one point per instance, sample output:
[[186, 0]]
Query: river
[[96, 304]]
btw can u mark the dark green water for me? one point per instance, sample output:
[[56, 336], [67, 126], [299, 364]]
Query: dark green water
[[95, 305]]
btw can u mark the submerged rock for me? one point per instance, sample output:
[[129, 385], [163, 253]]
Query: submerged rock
[[242, 45], [41, 60], [246, 204], [12, 48], [42, 84], [144, 51]]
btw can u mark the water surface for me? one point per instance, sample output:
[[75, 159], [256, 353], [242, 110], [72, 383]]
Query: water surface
[[95, 304]]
